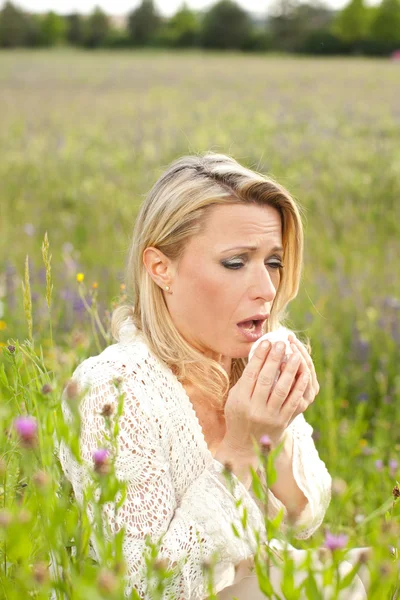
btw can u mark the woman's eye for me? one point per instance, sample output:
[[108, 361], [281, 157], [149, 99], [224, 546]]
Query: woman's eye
[[238, 265], [233, 265], [275, 265]]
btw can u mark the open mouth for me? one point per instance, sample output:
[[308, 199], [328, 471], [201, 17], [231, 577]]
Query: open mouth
[[252, 326]]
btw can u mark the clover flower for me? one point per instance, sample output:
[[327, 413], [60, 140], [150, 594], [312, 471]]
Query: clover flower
[[101, 461], [26, 428], [265, 443], [335, 542]]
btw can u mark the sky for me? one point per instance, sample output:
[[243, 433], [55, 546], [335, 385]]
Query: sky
[[121, 7]]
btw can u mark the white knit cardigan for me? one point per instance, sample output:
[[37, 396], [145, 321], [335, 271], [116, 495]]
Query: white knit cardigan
[[175, 487]]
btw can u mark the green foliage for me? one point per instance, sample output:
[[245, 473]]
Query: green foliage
[[75, 29], [14, 26], [52, 29], [97, 29], [353, 22], [386, 24], [182, 30], [225, 26], [143, 24]]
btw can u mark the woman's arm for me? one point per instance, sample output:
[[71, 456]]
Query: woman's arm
[[311, 477]]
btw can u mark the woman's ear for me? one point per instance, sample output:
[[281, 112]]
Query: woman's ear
[[158, 266]]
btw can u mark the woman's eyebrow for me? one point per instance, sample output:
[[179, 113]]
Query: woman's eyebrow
[[252, 248]]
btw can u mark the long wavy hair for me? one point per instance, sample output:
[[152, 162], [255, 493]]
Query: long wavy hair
[[174, 210]]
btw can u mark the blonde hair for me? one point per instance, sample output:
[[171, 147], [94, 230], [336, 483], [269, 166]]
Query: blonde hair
[[175, 210]]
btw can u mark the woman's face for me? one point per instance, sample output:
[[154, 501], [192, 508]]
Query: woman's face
[[216, 285]]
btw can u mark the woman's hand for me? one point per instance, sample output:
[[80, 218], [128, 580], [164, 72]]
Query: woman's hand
[[307, 366], [255, 406]]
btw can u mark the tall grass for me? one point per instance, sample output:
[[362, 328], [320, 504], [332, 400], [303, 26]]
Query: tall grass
[[83, 137]]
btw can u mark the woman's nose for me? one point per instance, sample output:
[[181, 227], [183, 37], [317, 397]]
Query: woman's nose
[[264, 286]]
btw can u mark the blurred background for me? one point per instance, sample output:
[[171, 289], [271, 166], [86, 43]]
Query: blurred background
[[96, 101]]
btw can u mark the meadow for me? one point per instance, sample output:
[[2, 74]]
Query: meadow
[[83, 136]]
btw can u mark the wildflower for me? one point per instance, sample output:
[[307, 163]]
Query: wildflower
[[26, 428], [47, 389], [95, 285], [41, 572], [161, 564], [122, 287], [396, 492], [363, 443], [339, 486], [107, 410], [228, 467], [80, 277], [3, 325], [71, 389], [5, 518], [41, 479], [11, 349], [24, 516], [266, 444], [107, 581], [379, 464], [101, 461], [393, 465], [335, 542], [359, 518]]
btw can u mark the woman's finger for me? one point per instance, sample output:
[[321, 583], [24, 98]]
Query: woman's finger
[[307, 358], [284, 384], [294, 403], [252, 370], [267, 376]]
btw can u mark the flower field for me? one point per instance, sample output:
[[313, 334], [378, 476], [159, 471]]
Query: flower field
[[83, 136]]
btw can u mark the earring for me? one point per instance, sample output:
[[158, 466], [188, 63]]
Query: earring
[[167, 288]]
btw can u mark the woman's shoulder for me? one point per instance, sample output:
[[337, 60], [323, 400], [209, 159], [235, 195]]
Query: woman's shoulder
[[114, 361]]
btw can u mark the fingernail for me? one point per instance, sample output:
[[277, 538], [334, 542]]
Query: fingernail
[[279, 346], [265, 345]]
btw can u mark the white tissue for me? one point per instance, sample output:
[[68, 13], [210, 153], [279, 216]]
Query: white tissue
[[279, 335]]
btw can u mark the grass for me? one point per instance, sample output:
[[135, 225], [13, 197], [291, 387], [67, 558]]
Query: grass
[[83, 138]]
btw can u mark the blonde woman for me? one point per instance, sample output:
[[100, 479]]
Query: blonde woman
[[216, 256]]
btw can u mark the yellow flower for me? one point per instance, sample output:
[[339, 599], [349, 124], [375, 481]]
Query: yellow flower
[[122, 287], [3, 325], [363, 443], [80, 277], [95, 285], [2, 345]]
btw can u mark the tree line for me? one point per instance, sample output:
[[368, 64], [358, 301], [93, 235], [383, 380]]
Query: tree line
[[292, 26]]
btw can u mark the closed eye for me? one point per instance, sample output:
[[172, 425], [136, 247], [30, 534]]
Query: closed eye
[[237, 265]]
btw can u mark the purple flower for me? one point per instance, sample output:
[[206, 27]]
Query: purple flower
[[265, 443], [393, 465], [335, 542], [101, 460], [26, 428], [379, 464]]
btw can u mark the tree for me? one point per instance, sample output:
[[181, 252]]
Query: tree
[[183, 29], [292, 23], [75, 33], [14, 27], [386, 24], [97, 29], [143, 24], [352, 23], [52, 29], [226, 26]]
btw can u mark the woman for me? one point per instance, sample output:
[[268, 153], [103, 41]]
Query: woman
[[216, 257]]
